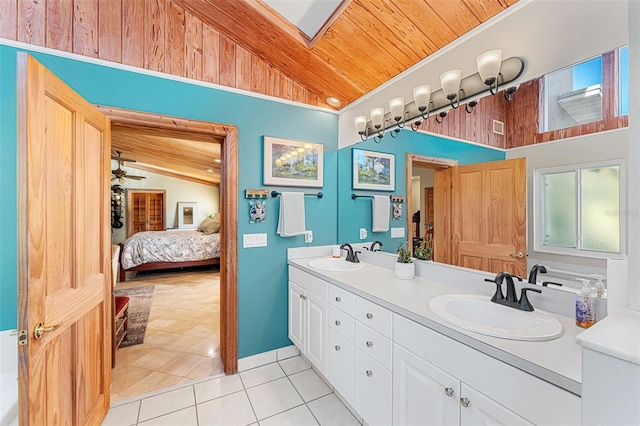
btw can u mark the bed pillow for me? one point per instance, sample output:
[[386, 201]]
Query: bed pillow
[[209, 226]]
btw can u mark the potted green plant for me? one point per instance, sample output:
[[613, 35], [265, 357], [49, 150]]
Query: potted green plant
[[423, 251], [405, 269]]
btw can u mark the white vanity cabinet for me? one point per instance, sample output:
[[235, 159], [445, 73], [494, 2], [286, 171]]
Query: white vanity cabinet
[[307, 316], [373, 365], [425, 395], [438, 379]]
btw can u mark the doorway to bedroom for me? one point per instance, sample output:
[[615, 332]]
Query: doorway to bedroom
[[191, 330]]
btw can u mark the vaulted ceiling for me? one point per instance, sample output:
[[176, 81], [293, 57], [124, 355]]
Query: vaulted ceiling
[[363, 45]]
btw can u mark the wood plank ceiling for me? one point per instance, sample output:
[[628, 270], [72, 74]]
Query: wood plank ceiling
[[246, 45], [368, 43]]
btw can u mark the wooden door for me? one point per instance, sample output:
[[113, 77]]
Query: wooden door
[[64, 252], [145, 210], [487, 223]]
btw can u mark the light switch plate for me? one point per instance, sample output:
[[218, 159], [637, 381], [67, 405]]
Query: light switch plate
[[363, 233], [397, 232], [308, 236], [254, 240]]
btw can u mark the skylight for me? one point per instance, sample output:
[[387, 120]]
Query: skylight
[[308, 15]]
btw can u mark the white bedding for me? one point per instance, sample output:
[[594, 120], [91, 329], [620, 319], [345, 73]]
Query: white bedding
[[169, 246]]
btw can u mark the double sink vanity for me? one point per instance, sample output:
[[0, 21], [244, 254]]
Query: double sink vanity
[[407, 352]]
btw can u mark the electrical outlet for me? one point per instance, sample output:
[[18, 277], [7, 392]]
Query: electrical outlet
[[363, 233], [308, 236]]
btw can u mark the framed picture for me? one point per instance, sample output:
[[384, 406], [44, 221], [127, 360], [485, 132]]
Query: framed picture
[[292, 163], [373, 170], [187, 215]]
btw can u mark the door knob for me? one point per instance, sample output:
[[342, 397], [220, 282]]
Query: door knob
[[517, 255], [40, 329]]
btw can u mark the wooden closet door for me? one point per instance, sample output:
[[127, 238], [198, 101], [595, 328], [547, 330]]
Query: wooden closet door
[[146, 210]]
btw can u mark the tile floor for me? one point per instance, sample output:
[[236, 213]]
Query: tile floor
[[286, 392], [182, 338]]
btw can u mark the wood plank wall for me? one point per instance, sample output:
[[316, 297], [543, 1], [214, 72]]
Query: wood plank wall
[[475, 126], [522, 115], [153, 34]]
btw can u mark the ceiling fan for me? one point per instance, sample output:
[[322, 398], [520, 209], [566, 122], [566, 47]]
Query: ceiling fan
[[119, 174]]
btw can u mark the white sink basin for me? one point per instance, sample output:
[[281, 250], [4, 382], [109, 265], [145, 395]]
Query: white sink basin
[[334, 264], [481, 315]]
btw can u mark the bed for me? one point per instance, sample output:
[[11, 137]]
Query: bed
[[154, 250]]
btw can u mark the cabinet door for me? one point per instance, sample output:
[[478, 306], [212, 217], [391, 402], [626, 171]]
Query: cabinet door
[[478, 409], [340, 359], [315, 334], [422, 393], [372, 390], [296, 316]]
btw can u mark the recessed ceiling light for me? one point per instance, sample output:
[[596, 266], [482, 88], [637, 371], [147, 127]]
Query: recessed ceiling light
[[217, 160], [210, 170], [333, 101]]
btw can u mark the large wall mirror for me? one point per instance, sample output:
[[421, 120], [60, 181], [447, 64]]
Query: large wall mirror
[[415, 180]]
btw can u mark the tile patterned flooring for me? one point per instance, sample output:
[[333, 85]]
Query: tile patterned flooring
[[286, 392], [182, 339]]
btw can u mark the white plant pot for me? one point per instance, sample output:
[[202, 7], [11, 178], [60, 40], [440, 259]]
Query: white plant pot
[[405, 271]]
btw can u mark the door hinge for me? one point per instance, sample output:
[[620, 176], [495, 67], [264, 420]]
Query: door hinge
[[451, 185], [23, 338]]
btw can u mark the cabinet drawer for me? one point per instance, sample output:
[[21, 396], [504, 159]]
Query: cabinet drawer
[[341, 323], [374, 344], [375, 316], [341, 299], [340, 360], [372, 390], [308, 282]]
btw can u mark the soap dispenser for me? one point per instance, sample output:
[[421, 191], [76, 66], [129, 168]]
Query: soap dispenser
[[585, 314], [600, 291]]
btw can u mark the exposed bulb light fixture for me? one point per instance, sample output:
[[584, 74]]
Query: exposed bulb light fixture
[[360, 122], [489, 68], [450, 82], [422, 99]]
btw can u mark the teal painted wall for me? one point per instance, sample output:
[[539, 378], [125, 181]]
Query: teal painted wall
[[356, 214], [262, 272]]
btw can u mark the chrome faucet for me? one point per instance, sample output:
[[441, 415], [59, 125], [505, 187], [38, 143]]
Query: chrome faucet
[[352, 256], [373, 246], [510, 299], [533, 274]]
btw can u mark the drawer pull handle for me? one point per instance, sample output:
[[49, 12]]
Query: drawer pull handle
[[337, 347], [337, 322], [304, 297], [301, 296], [369, 315], [448, 392], [338, 299], [464, 402], [369, 344], [369, 373]]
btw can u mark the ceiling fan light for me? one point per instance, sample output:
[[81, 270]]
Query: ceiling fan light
[[422, 96], [489, 66], [396, 106], [450, 82]]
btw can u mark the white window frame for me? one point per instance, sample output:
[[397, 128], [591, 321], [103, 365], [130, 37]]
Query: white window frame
[[538, 211]]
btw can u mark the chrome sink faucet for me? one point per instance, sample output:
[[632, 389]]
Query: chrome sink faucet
[[511, 299], [352, 256]]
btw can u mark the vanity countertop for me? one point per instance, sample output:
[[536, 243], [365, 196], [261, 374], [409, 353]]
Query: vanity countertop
[[557, 361]]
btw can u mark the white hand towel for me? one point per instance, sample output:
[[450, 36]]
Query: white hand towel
[[380, 212], [291, 219]]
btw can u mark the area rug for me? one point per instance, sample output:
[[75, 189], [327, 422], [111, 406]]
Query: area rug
[[140, 299]]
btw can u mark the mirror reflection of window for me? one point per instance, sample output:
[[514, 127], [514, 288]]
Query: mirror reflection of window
[[187, 216]]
